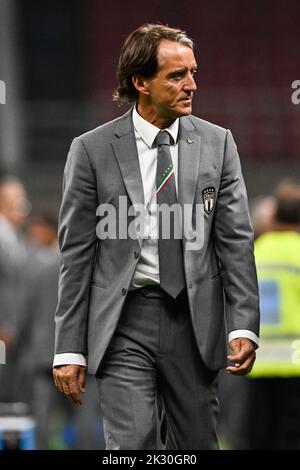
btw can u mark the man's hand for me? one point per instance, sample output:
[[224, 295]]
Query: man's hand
[[242, 356], [70, 380]]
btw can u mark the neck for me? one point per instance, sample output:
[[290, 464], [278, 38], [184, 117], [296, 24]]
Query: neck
[[149, 114]]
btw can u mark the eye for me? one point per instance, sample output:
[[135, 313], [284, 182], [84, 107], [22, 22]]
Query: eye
[[177, 77]]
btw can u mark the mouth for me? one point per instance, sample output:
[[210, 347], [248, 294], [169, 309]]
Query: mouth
[[186, 100]]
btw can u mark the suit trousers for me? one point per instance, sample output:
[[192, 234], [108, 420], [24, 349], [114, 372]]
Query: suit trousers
[[155, 391]]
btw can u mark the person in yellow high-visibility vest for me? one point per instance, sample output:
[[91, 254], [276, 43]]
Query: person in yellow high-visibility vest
[[278, 262], [273, 390]]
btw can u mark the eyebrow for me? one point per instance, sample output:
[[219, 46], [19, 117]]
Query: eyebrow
[[180, 71]]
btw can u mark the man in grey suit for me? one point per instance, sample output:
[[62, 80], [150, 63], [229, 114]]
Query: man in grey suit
[[143, 310]]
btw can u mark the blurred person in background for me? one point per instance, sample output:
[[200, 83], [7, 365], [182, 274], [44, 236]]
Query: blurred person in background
[[59, 424], [148, 322], [271, 418], [15, 285], [262, 210], [42, 229], [233, 389]]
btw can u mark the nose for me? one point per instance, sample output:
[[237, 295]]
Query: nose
[[190, 84]]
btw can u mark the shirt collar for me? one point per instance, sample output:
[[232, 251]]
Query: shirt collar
[[148, 131]]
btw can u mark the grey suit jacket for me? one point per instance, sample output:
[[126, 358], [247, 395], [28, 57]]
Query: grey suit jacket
[[96, 274]]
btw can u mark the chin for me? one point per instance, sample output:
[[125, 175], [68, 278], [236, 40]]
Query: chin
[[185, 110]]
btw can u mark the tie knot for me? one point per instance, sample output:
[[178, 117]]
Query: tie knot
[[163, 138]]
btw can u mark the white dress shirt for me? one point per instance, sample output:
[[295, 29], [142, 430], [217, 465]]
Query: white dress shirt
[[147, 269]]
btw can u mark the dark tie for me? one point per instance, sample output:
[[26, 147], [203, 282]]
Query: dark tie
[[171, 269]]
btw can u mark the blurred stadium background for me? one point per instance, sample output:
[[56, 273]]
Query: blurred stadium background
[[58, 59]]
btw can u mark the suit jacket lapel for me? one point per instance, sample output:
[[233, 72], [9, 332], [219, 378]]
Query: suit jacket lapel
[[188, 169], [188, 161], [126, 153]]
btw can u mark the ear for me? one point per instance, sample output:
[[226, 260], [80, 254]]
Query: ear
[[141, 84]]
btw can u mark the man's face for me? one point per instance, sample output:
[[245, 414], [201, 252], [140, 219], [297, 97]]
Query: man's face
[[171, 90], [14, 204]]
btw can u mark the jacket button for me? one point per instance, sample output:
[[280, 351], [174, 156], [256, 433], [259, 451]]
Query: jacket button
[[124, 291], [136, 254]]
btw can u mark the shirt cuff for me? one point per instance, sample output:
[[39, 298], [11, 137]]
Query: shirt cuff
[[69, 358], [244, 334]]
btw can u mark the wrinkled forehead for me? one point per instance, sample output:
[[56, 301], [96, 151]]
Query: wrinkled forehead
[[172, 54]]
